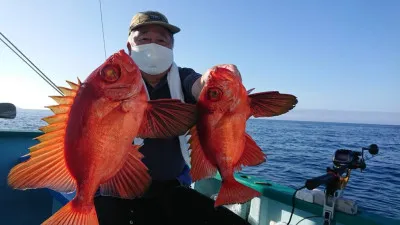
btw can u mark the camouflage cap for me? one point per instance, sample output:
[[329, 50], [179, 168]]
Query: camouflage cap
[[152, 17]]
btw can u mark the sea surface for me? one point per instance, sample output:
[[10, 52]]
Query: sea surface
[[297, 151]]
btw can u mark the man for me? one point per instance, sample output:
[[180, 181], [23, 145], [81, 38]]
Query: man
[[169, 199]]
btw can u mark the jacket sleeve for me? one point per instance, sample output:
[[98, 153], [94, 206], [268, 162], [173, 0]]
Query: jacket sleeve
[[188, 77]]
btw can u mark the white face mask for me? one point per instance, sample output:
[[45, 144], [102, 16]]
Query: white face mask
[[152, 58]]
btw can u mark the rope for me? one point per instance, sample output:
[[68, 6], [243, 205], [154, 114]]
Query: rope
[[33, 67], [293, 203]]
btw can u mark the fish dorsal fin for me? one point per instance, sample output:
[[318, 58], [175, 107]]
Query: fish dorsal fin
[[73, 85], [46, 167], [250, 90]]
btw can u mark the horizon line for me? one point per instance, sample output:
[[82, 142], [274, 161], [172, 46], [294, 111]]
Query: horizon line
[[392, 123], [294, 109]]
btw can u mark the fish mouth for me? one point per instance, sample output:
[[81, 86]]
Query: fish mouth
[[119, 93], [119, 86]]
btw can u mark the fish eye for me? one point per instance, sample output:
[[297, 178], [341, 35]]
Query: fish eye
[[214, 94], [110, 73]]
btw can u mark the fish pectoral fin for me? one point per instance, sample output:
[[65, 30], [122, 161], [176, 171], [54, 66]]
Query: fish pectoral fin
[[167, 118], [131, 180], [273, 103], [252, 154], [201, 167], [46, 166]]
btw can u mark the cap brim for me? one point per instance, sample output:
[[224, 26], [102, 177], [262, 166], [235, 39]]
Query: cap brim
[[173, 29]]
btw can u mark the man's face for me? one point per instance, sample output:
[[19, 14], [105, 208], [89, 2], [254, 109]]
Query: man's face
[[152, 34]]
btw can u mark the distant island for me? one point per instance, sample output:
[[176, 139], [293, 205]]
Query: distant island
[[341, 116]]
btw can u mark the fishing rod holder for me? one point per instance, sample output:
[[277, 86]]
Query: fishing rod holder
[[344, 161]]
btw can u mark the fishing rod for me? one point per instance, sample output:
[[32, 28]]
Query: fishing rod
[[24, 58], [344, 160], [102, 29]]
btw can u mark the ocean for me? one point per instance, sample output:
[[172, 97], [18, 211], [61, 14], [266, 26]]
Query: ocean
[[298, 150]]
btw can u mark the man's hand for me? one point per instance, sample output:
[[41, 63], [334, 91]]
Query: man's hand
[[199, 84]]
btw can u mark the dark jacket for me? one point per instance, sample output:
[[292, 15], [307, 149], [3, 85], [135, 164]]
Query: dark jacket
[[163, 157]]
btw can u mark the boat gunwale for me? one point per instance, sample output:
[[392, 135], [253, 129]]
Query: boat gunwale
[[269, 189]]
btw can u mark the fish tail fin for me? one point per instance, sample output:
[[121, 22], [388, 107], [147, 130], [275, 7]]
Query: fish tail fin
[[234, 192], [69, 214]]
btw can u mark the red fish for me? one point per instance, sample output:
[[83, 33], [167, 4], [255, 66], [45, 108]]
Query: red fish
[[219, 141], [88, 143]]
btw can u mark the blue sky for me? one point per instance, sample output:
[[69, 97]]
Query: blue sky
[[337, 55]]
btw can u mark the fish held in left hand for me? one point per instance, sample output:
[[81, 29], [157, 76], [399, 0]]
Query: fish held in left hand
[[87, 145], [219, 141]]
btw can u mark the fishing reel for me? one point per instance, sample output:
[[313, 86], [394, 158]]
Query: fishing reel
[[344, 161], [351, 159]]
